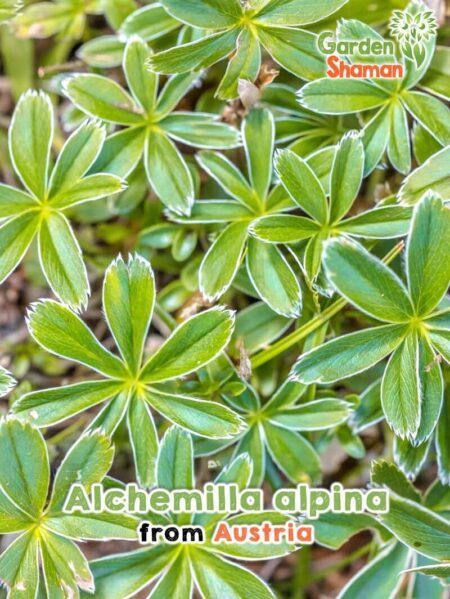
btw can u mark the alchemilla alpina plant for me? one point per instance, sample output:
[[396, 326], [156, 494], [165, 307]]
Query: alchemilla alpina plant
[[224, 271]]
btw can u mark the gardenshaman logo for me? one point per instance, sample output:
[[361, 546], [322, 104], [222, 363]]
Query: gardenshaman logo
[[413, 31], [338, 68]]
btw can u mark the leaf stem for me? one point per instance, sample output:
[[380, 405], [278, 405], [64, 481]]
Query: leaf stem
[[287, 342]]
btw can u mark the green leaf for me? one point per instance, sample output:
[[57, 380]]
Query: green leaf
[[62, 262], [16, 236], [102, 98], [50, 406], [428, 254], [381, 223], [195, 55], [400, 389], [109, 418], [144, 440], [294, 49], [64, 567], [177, 581], [88, 189], [259, 326], [252, 444], [30, 138], [206, 14], [366, 281], [218, 577], [410, 458], [86, 463], [23, 480], [200, 130], [243, 66], [314, 415], [431, 113], [301, 183], [76, 157], [228, 176], [19, 568], [293, 454], [204, 418], [418, 528], [424, 144], [61, 332], [348, 355], [12, 519], [142, 83], [7, 382], [346, 175], [297, 12], [102, 52], [148, 22], [122, 152], [284, 228], [436, 77], [432, 391], [221, 262], [174, 90], [93, 526], [380, 575], [369, 411], [399, 145], [14, 201], [128, 300], [192, 345], [441, 571], [168, 173], [375, 139], [432, 175], [442, 445], [341, 96], [386, 474], [258, 132], [175, 467], [333, 530], [273, 278], [123, 575]]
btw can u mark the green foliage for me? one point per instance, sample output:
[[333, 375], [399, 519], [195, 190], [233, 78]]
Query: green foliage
[[228, 166], [46, 532], [132, 384]]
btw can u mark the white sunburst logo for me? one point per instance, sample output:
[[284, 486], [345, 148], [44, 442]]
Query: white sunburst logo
[[413, 28]]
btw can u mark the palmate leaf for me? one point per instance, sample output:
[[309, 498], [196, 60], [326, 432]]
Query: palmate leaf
[[132, 383], [428, 248], [388, 127], [151, 129], [47, 530], [244, 29], [51, 191]]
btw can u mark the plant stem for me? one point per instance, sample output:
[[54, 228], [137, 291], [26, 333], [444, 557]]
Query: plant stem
[[287, 342]]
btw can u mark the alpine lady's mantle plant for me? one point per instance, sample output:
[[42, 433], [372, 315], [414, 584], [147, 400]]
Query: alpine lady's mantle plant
[[387, 128], [39, 210], [326, 219], [300, 229], [149, 126], [177, 568], [131, 384], [416, 332], [244, 29], [46, 534]]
